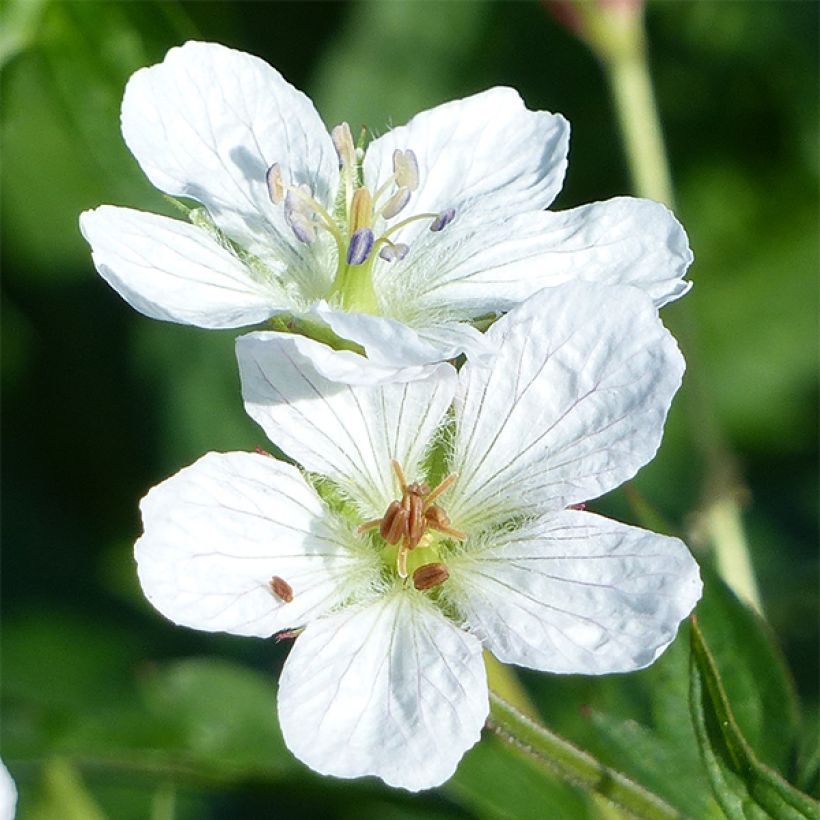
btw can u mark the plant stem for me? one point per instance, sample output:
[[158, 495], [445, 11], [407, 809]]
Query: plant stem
[[570, 763], [616, 34]]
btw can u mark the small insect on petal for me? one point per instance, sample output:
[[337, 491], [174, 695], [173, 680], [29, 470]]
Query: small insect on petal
[[430, 575], [281, 589]]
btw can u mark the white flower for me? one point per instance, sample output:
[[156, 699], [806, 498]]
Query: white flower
[[8, 794], [398, 586], [441, 221]]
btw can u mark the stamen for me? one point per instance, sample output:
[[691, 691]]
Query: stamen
[[428, 576], [396, 203], [361, 210], [361, 243], [443, 220], [298, 212], [392, 252], [343, 143], [442, 488], [276, 187], [281, 589], [406, 169]]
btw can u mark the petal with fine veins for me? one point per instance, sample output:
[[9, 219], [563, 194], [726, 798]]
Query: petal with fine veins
[[576, 593], [479, 267], [573, 405], [348, 433], [209, 121], [393, 690], [219, 531], [172, 270], [484, 154], [391, 343]]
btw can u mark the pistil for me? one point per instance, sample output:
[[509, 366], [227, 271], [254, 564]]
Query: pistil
[[357, 211]]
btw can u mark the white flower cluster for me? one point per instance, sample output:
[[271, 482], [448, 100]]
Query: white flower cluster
[[437, 512]]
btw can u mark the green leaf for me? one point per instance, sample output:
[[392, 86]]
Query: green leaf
[[64, 797], [744, 787]]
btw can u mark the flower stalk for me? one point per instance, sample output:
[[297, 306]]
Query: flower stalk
[[616, 34], [571, 764]]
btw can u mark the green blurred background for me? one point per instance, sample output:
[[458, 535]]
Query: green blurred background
[[109, 710]]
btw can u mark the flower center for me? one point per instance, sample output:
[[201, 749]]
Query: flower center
[[357, 212], [406, 523]]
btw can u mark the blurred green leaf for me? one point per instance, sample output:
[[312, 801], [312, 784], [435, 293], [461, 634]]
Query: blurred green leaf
[[63, 796], [63, 151], [745, 788]]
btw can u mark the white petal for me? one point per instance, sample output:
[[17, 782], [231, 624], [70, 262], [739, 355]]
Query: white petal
[[573, 405], [8, 794], [347, 432], [172, 270], [480, 155], [394, 690], [348, 367], [218, 531], [478, 268], [208, 122], [392, 343], [577, 593]]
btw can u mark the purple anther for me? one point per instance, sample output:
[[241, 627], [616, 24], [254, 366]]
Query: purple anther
[[394, 252], [361, 243], [302, 226], [443, 220], [396, 203]]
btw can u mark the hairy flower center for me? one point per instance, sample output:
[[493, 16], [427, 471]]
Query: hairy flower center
[[352, 224], [406, 523]]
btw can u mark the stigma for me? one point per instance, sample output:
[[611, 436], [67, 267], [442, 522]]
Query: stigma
[[361, 223]]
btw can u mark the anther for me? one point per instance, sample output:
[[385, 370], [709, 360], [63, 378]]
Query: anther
[[361, 210], [343, 143], [443, 220], [276, 187], [298, 213], [393, 252], [406, 169], [428, 576], [396, 203], [281, 589], [361, 243]]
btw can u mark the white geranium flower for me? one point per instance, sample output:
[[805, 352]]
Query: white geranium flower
[[434, 517], [396, 249], [8, 794]]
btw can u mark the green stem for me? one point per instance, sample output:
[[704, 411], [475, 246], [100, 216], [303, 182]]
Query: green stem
[[568, 762], [616, 34]]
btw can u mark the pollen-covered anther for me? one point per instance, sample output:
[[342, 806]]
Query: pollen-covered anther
[[406, 521], [281, 589], [428, 576], [276, 186]]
